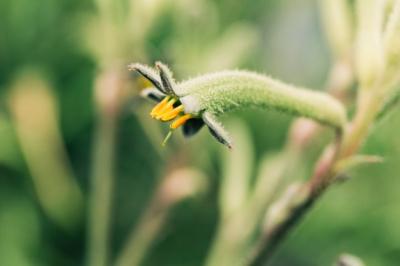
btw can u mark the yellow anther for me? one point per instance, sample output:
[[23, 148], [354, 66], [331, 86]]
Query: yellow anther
[[172, 114], [159, 106], [166, 108], [180, 121]]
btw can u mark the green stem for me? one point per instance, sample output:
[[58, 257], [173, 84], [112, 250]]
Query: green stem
[[390, 104], [368, 105], [101, 192], [229, 90], [305, 198], [231, 241], [140, 239]]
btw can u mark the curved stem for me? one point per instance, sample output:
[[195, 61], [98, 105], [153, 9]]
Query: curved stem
[[313, 189], [344, 147], [229, 90]]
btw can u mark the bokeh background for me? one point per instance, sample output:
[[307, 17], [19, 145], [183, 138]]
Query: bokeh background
[[60, 123]]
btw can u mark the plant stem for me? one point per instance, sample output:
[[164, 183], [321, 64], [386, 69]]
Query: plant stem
[[174, 187], [108, 91], [368, 105], [101, 194], [313, 189], [230, 90], [140, 239]]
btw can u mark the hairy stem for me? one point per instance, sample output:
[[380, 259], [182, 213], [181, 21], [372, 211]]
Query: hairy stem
[[229, 90]]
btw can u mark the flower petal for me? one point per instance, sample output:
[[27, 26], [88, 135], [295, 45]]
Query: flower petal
[[217, 130], [166, 78], [152, 94], [149, 74]]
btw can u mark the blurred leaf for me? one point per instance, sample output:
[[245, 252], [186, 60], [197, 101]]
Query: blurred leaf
[[34, 112]]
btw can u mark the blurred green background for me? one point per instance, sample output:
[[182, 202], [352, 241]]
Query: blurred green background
[[52, 53]]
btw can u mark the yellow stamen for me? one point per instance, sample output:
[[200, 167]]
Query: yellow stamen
[[159, 106], [172, 114], [180, 121], [166, 108]]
